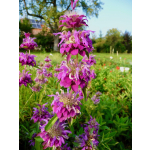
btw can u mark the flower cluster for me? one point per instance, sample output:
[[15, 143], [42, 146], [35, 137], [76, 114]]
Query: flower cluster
[[90, 136], [24, 78], [90, 61], [75, 42], [40, 114], [74, 74], [66, 105], [42, 75], [28, 42], [55, 136], [96, 97], [72, 19], [27, 59]]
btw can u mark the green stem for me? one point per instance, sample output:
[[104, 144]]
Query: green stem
[[77, 58], [84, 93]]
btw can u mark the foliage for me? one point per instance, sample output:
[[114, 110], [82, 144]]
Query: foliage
[[51, 10], [113, 36], [45, 39], [25, 26], [127, 41], [113, 113], [120, 42]]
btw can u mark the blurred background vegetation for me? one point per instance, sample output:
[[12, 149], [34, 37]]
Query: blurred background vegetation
[[50, 11], [114, 39]]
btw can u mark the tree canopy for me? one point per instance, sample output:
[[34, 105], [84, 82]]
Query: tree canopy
[[51, 10], [113, 36]]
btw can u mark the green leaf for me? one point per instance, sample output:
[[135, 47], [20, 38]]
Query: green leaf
[[105, 127], [37, 145], [91, 131], [87, 54], [106, 146], [81, 130], [76, 144], [64, 28], [91, 143], [51, 122], [39, 139], [72, 129], [84, 93]]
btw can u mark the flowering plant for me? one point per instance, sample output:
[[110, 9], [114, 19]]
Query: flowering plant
[[28, 42], [75, 75]]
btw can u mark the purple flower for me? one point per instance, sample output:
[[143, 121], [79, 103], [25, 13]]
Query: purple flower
[[66, 105], [47, 65], [72, 20], [48, 74], [24, 78], [41, 79], [47, 59], [89, 136], [74, 75], [75, 42], [65, 147], [96, 97], [36, 87], [41, 113], [81, 94], [27, 59], [89, 61], [92, 124], [55, 75], [32, 141], [28, 42], [55, 136], [98, 93], [27, 35]]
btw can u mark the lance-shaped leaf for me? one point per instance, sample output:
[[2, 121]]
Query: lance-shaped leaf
[[87, 54], [39, 139], [37, 145], [51, 122]]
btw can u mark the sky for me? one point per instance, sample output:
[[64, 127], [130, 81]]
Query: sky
[[115, 14]]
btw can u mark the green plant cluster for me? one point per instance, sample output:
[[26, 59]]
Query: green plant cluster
[[114, 39], [113, 113]]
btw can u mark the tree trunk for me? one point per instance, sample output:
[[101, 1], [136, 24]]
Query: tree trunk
[[56, 41]]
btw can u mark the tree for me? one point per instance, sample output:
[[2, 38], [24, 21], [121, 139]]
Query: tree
[[113, 36], [51, 10], [25, 25], [127, 41]]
